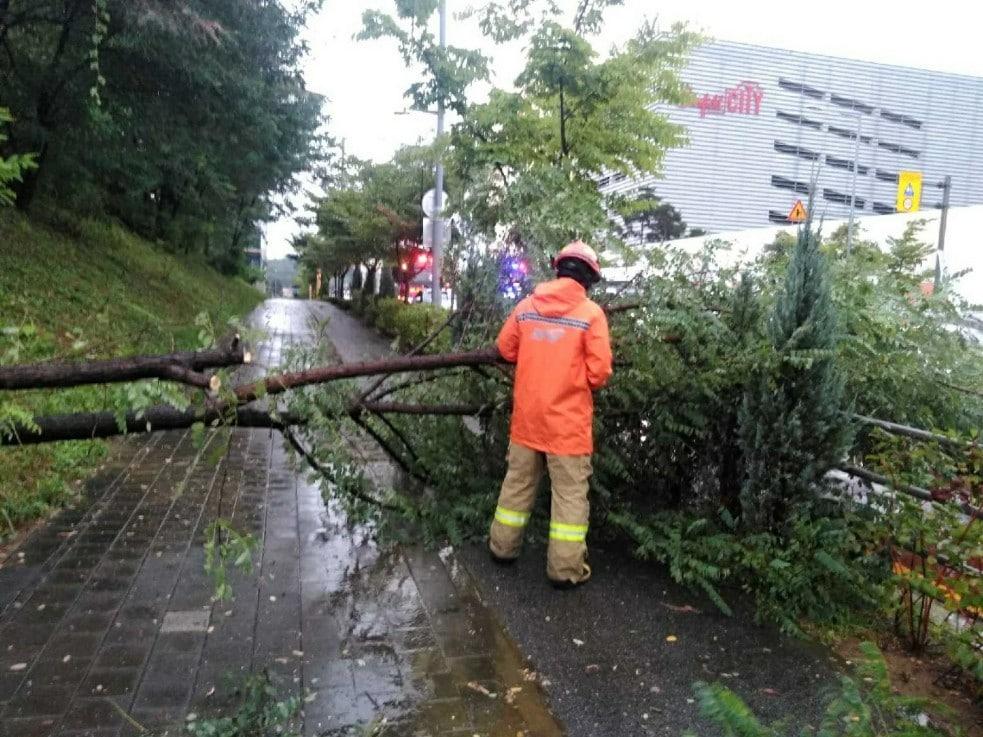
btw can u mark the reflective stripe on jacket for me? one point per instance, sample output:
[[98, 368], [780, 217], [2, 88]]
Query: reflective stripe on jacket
[[559, 341]]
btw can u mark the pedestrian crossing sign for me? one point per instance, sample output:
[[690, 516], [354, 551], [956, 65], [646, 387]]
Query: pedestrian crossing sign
[[909, 191], [798, 213]]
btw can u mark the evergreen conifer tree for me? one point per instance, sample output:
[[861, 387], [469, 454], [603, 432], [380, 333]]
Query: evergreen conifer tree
[[368, 288], [387, 287], [792, 430]]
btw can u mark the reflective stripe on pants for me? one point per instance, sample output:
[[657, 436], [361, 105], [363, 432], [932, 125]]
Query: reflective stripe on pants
[[570, 510]]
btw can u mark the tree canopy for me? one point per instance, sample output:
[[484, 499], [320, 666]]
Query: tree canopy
[[188, 121]]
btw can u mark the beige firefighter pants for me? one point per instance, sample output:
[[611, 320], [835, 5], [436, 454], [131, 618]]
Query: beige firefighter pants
[[569, 511]]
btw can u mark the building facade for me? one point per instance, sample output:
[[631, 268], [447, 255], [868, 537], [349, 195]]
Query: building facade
[[768, 125]]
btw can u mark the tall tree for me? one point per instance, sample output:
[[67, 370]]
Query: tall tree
[[531, 157], [792, 426], [194, 153], [364, 218], [647, 218]]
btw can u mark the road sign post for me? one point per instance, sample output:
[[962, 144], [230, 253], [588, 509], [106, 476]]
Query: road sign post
[[798, 213], [946, 189]]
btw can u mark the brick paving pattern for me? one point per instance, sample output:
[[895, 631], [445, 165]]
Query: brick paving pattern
[[107, 610]]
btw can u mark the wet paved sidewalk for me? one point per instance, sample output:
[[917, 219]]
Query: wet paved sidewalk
[[107, 609]]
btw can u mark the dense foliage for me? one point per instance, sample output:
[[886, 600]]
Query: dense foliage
[[367, 215], [186, 120], [866, 706], [12, 167], [735, 388]]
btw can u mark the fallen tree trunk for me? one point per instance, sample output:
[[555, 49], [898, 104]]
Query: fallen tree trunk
[[92, 425], [402, 408], [279, 383], [184, 367]]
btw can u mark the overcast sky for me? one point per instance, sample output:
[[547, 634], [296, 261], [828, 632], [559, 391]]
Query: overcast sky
[[364, 82]]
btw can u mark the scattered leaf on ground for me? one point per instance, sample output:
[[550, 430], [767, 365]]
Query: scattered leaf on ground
[[685, 609], [478, 688]]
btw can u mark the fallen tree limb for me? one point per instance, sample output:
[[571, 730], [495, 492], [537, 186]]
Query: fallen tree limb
[[358, 418], [911, 432], [185, 367], [410, 383], [402, 408], [414, 351], [279, 383], [316, 466], [92, 425], [916, 491]]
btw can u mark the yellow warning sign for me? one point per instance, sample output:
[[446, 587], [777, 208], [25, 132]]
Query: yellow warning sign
[[909, 191], [798, 213]]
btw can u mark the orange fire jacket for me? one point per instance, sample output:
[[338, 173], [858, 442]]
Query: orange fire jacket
[[559, 341]]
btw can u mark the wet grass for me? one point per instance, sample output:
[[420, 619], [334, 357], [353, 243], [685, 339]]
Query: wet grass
[[80, 289]]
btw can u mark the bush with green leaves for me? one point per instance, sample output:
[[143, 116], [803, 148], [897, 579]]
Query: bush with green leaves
[[386, 313], [670, 460], [866, 706], [261, 711], [936, 548], [12, 167], [820, 569]]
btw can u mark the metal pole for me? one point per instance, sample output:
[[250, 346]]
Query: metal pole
[[438, 220], [946, 189], [853, 187]]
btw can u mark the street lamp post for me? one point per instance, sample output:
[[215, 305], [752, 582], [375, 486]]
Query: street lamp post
[[856, 165], [438, 220], [853, 186]]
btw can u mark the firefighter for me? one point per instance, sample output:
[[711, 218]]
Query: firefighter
[[558, 339]]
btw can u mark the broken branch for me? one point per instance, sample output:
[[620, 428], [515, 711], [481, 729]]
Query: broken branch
[[316, 466], [92, 425], [279, 383], [185, 367], [402, 408]]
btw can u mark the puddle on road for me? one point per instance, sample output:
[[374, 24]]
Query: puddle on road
[[418, 653]]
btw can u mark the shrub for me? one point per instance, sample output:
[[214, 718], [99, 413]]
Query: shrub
[[413, 323], [368, 307], [820, 570], [791, 424], [865, 707], [385, 315], [13, 167]]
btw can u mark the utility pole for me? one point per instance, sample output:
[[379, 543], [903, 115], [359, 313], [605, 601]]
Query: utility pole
[[946, 185], [853, 186], [438, 215]]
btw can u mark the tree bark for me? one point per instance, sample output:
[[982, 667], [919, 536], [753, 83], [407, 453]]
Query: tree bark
[[279, 383], [92, 425], [403, 408], [183, 367]]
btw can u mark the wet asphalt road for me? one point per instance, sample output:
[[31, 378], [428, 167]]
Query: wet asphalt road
[[626, 678]]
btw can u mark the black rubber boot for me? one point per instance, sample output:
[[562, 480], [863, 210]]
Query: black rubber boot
[[504, 562]]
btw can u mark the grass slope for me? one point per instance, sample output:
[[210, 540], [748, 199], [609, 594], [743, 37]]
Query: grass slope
[[84, 289]]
